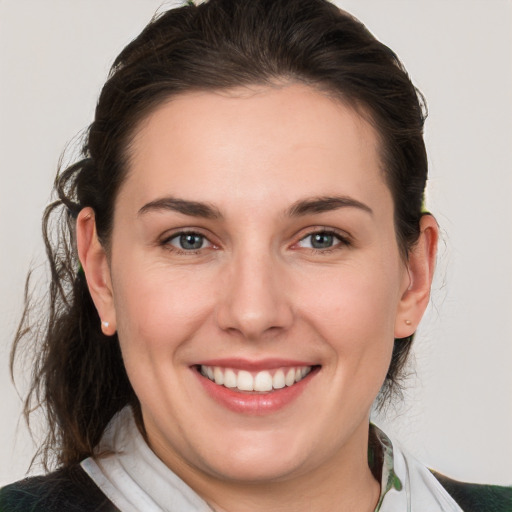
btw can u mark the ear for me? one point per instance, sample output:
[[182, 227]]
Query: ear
[[97, 272], [416, 289]]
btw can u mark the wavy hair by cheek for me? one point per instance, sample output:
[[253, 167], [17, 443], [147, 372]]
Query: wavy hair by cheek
[[78, 374]]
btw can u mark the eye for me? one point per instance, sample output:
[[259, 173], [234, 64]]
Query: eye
[[188, 241], [321, 240]]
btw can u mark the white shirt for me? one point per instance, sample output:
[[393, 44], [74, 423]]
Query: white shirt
[[136, 480]]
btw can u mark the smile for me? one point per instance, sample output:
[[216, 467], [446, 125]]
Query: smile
[[263, 381]]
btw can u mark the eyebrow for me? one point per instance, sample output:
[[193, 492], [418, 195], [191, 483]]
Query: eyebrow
[[191, 208], [325, 204], [297, 209]]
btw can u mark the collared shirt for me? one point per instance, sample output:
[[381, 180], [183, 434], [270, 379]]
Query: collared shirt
[[135, 479]]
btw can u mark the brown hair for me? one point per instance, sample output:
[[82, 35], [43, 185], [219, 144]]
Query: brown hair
[[79, 377]]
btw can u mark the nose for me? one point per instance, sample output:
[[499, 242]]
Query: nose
[[254, 298]]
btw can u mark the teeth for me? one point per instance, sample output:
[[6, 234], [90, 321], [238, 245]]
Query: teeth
[[290, 377], [245, 382], [278, 381], [230, 379], [218, 375], [262, 381]]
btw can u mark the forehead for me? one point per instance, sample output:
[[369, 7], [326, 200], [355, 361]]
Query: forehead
[[253, 143]]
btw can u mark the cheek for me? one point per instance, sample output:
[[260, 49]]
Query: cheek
[[158, 313], [354, 311], [157, 309], [359, 298]]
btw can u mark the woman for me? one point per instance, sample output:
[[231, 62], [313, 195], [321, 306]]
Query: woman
[[254, 261]]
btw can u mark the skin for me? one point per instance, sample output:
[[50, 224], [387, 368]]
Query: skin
[[257, 289]]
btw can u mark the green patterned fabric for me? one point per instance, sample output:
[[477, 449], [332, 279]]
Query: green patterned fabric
[[379, 442], [477, 497], [469, 497], [65, 490]]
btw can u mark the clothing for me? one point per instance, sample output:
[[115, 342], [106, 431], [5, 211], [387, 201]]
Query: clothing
[[133, 479], [65, 490]]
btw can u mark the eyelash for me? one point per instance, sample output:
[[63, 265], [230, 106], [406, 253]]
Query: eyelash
[[342, 242], [166, 243]]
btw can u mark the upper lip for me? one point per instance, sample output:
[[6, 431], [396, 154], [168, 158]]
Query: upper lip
[[254, 365]]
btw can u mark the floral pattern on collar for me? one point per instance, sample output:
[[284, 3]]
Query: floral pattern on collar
[[389, 479]]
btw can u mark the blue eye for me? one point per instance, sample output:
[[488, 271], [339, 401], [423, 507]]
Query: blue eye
[[321, 240], [189, 241]]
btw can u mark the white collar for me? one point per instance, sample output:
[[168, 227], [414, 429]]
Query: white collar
[[135, 479], [407, 485]]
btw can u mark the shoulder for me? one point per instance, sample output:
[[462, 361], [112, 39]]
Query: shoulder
[[67, 489], [477, 497]]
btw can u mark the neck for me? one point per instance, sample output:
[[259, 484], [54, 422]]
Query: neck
[[357, 496], [344, 482]]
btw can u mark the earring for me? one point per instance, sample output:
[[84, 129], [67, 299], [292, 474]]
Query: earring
[[408, 322], [105, 328]]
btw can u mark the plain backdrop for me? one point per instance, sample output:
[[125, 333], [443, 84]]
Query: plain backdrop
[[457, 412]]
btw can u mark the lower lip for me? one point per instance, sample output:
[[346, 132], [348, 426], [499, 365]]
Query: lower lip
[[255, 403]]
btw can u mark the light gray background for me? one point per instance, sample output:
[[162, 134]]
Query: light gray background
[[457, 416]]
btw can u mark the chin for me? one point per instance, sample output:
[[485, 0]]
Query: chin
[[256, 470], [257, 458]]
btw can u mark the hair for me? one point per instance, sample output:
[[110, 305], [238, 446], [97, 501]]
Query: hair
[[79, 378]]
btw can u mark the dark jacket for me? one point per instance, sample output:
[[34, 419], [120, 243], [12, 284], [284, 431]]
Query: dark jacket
[[71, 490]]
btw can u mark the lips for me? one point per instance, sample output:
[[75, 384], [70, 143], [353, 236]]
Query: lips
[[255, 388]]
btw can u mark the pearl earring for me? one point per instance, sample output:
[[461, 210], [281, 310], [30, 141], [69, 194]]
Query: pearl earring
[[408, 322], [105, 324]]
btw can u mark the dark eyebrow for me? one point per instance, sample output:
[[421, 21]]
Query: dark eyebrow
[[192, 208], [325, 204]]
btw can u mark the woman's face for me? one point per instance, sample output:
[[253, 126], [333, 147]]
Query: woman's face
[[254, 245]]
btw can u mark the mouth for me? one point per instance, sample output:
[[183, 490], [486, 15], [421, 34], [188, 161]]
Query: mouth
[[255, 388], [264, 381]]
